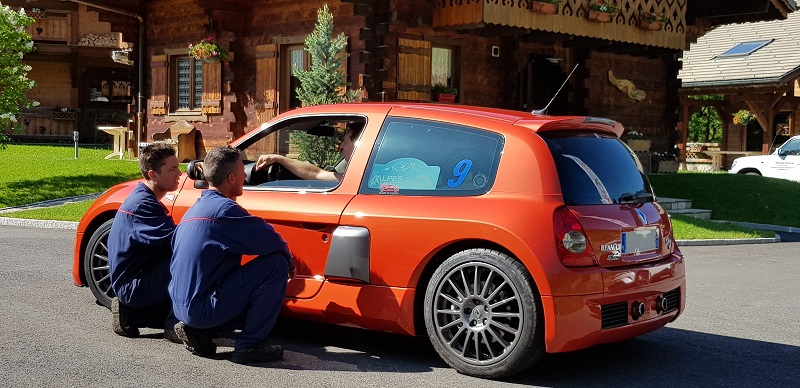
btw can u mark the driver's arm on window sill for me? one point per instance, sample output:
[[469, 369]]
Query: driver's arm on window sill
[[301, 169]]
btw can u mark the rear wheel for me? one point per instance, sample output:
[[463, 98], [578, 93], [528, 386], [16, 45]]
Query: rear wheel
[[483, 315], [95, 265]]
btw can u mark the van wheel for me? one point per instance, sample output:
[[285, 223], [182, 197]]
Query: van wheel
[[752, 173], [483, 314], [95, 265]]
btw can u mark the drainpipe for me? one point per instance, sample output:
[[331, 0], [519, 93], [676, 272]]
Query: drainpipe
[[140, 62]]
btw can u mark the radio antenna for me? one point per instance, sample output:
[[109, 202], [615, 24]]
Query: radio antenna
[[544, 110]]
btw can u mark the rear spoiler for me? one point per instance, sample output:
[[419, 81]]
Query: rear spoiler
[[555, 123]]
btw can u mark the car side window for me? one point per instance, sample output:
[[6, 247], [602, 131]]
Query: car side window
[[421, 157], [792, 147]]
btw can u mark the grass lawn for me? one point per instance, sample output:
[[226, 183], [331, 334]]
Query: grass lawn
[[67, 212], [33, 173], [734, 197]]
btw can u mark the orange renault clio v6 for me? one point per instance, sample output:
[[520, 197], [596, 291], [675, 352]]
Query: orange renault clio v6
[[500, 235]]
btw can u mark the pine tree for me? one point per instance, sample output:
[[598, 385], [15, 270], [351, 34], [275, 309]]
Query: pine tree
[[323, 83]]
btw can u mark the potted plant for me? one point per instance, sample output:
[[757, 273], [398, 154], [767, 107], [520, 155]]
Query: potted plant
[[209, 51], [652, 21], [602, 10], [636, 141], [444, 93], [545, 6], [743, 117], [665, 163]]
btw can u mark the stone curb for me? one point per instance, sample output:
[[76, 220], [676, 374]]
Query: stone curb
[[736, 241], [47, 224]]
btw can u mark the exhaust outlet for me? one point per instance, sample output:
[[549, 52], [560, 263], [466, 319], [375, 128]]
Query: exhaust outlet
[[661, 304], [637, 309]]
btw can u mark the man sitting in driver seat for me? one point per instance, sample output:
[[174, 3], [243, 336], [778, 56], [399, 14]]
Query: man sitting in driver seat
[[308, 171]]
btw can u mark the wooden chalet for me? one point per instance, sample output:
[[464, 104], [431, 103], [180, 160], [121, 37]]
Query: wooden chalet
[[756, 67], [497, 53]]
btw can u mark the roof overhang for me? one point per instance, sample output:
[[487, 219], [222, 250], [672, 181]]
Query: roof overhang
[[718, 12]]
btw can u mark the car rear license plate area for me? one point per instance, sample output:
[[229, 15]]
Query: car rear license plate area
[[640, 240]]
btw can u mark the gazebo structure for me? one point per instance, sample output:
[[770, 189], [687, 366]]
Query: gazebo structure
[[756, 67]]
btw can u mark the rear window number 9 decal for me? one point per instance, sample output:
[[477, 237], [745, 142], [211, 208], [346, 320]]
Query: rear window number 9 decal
[[460, 172]]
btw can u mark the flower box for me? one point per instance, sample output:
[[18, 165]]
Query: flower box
[[650, 26], [444, 97], [639, 145], [602, 17], [667, 167], [544, 7]]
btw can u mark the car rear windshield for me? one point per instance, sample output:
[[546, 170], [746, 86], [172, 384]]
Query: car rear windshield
[[596, 168]]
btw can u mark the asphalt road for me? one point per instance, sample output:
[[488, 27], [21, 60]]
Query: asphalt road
[[740, 329]]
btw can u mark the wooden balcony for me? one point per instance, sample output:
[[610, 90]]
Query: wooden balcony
[[54, 27], [571, 19]]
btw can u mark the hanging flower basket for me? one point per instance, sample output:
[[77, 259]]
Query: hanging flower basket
[[209, 51], [545, 6]]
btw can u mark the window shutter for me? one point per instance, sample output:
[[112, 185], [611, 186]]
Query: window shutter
[[266, 82], [212, 88], [158, 84], [414, 70]]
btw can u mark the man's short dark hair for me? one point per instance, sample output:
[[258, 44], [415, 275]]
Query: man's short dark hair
[[153, 157], [219, 163], [355, 130]]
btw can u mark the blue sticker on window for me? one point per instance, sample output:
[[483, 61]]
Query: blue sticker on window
[[460, 171]]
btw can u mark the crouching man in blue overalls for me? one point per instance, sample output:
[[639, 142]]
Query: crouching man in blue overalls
[[140, 248], [210, 288]]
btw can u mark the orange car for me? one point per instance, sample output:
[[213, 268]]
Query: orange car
[[501, 235]]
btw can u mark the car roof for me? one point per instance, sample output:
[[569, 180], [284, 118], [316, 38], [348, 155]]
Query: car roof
[[466, 113]]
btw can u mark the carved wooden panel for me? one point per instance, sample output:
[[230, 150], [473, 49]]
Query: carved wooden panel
[[159, 86], [212, 88]]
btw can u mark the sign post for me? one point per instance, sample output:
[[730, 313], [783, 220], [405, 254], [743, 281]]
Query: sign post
[[75, 136]]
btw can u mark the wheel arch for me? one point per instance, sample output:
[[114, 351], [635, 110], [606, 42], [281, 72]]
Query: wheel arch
[[438, 258], [749, 170], [87, 235]]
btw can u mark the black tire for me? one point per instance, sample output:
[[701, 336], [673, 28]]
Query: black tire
[[95, 265], [483, 314], [751, 172]]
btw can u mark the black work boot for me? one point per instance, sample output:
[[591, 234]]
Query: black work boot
[[120, 320], [261, 352], [197, 341]]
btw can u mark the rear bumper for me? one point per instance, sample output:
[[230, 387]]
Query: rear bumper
[[578, 320]]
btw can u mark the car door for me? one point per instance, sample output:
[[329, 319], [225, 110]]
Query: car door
[[787, 160]]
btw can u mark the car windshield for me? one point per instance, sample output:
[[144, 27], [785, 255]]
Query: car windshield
[[597, 169]]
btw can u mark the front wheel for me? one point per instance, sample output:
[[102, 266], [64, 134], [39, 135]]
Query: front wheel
[[483, 314], [95, 265]]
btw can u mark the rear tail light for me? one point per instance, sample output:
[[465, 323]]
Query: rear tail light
[[571, 243]]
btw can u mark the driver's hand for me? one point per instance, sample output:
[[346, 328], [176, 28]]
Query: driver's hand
[[265, 160]]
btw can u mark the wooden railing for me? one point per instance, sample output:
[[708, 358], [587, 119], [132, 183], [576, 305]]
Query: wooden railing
[[55, 26], [571, 18]]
